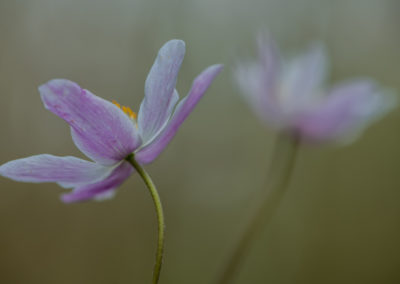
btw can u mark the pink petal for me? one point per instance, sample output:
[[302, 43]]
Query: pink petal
[[99, 128], [304, 75], [159, 89], [259, 81], [200, 85], [49, 168], [102, 189], [349, 109]]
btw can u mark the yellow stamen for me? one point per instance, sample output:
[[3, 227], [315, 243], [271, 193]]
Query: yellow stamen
[[127, 110], [131, 114], [117, 104]]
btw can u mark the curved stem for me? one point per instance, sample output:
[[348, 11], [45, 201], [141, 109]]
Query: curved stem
[[160, 215], [281, 169]]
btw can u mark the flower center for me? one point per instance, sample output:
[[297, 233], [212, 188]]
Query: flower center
[[127, 110]]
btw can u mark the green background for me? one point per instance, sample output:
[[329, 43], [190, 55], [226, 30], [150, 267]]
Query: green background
[[339, 222]]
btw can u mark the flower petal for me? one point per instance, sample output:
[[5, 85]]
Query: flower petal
[[270, 61], [251, 80], [200, 85], [49, 168], [304, 75], [258, 81], [99, 129], [100, 190], [349, 109], [170, 109], [159, 88]]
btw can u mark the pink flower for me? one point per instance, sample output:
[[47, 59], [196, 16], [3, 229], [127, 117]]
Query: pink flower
[[108, 134], [290, 95]]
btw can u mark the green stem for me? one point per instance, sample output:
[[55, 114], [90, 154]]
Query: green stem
[[281, 169], [160, 215]]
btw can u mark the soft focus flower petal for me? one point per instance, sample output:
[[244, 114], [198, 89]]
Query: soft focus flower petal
[[303, 76], [268, 53], [250, 79], [102, 189], [345, 112], [259, 81], [159, 89], [270, 65], [99, 128], [297, 102], [49, 168], [148, 153]]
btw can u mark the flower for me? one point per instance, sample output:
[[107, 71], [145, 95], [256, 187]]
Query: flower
[[108, 134], [290, 96]]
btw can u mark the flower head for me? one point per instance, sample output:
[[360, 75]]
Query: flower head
[[108, 133], [290, 95]]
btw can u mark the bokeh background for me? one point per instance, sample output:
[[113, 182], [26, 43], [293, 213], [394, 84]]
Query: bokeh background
[[340, 220]]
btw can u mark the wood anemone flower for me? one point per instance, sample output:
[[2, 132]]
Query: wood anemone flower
[[289, 94], [109, 134]]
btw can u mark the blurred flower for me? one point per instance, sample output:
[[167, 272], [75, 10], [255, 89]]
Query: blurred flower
[[108, 134], [290, 96]]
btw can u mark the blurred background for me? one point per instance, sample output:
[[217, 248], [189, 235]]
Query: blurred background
[[339, 222]]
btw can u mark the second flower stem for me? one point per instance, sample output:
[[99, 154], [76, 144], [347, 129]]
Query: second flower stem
[[281, 169], [160, 215]]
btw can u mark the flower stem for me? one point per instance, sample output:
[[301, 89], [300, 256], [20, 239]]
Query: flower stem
[[281, 169], [159, 211]]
